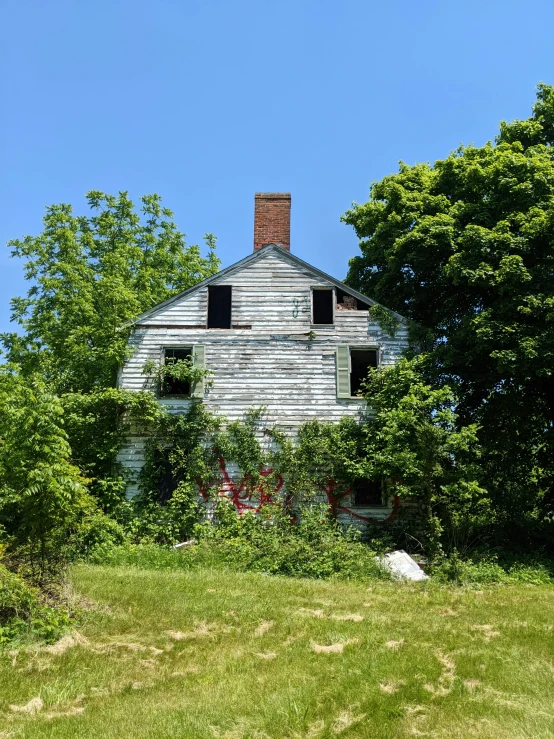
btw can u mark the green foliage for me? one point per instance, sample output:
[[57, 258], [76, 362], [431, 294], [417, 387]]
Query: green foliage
[[323, 452], [413, 439], [41, 491], [91, 533], [178, 369], [92, 276], [313, 546], [166, 522], [96, 424], [147, 555], [180, 446], [24, 614], [385, 318], [489, 569], [463, 248]]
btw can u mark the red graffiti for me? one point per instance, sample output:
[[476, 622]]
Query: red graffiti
[[334, 499], [242, 494]]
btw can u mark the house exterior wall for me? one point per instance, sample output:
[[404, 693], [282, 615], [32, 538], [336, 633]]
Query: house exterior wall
[[271, 361]]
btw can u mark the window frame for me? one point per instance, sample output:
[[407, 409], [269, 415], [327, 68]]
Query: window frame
[[384, 499], [333, 306], [356, 347], [218, 328], [198, 354]]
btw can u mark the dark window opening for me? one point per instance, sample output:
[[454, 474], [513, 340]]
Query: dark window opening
[[171, 385], [219, 306], [165, 480], [346, 302], [323, 306], [360, 362], [367, 493]]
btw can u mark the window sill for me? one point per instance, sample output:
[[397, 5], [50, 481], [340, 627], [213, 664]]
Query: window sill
[[370, 507], [322, 325]]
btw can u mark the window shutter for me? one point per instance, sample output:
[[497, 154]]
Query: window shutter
[[199, 357], [343, 371]]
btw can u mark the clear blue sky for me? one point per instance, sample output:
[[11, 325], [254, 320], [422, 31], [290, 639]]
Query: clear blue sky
[[207, 102]]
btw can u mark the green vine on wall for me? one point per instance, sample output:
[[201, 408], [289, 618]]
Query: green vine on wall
[[385, 318], [183, 370]]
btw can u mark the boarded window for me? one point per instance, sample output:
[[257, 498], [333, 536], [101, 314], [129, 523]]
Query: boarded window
[[171, 385], [367, 493], [219, 306], [360, 362], [322, 306]]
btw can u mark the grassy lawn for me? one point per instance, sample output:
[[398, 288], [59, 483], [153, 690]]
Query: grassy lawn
[[214, 654]]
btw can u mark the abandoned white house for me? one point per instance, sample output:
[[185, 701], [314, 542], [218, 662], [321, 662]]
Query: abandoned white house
[[275, 332]]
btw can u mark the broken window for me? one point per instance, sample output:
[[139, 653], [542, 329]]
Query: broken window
[[166, 483], [322, 307], [345, 301], [360, 362], [368, 493], [352, 369], [219, 306], [172, 385]]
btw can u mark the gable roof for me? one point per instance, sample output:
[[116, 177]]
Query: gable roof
[[252, 257]]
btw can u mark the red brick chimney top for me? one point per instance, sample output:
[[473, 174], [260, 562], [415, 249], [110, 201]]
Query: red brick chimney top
[[271, 219]]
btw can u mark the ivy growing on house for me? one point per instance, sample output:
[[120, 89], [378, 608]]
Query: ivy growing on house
[[182, 370]]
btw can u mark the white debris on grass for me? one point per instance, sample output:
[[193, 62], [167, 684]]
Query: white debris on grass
[[188, 543], [402, 565]]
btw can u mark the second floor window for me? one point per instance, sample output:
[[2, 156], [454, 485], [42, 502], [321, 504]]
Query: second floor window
[[353, 364], [172, 385], [219, 306]]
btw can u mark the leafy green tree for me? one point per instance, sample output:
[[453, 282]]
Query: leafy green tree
[[41, 492], [413, 439], [465, 248], [92, 276]]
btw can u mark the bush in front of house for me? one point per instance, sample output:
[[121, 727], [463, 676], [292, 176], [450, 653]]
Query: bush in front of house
[[313, 545], [24, 612]]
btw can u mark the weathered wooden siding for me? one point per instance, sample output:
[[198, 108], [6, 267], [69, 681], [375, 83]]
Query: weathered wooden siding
[[274, 363]]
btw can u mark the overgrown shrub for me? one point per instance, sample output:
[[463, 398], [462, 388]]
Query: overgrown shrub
[[491, 569], [93, 532], [270, 542], [23, 612], [41, 491]]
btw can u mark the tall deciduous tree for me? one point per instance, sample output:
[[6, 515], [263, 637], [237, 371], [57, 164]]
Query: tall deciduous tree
[[41, 491], [90, 277], [465, 248]]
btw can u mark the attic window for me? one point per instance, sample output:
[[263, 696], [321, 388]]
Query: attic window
[[360, 362], [219, 306], [171, 385], [367, 493], [322, 310], [345, 301]]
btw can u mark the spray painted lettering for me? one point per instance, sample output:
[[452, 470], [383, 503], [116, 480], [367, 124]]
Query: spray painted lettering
[[246, 496]]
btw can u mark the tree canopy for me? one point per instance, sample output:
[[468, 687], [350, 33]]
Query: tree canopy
[[90, 277], [465, 248]]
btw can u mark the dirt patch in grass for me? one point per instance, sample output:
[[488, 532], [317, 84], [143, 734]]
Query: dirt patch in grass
[[337, 648], [33, 706], [264, 627]]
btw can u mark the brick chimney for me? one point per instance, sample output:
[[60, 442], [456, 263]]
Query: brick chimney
[[271, 219]]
